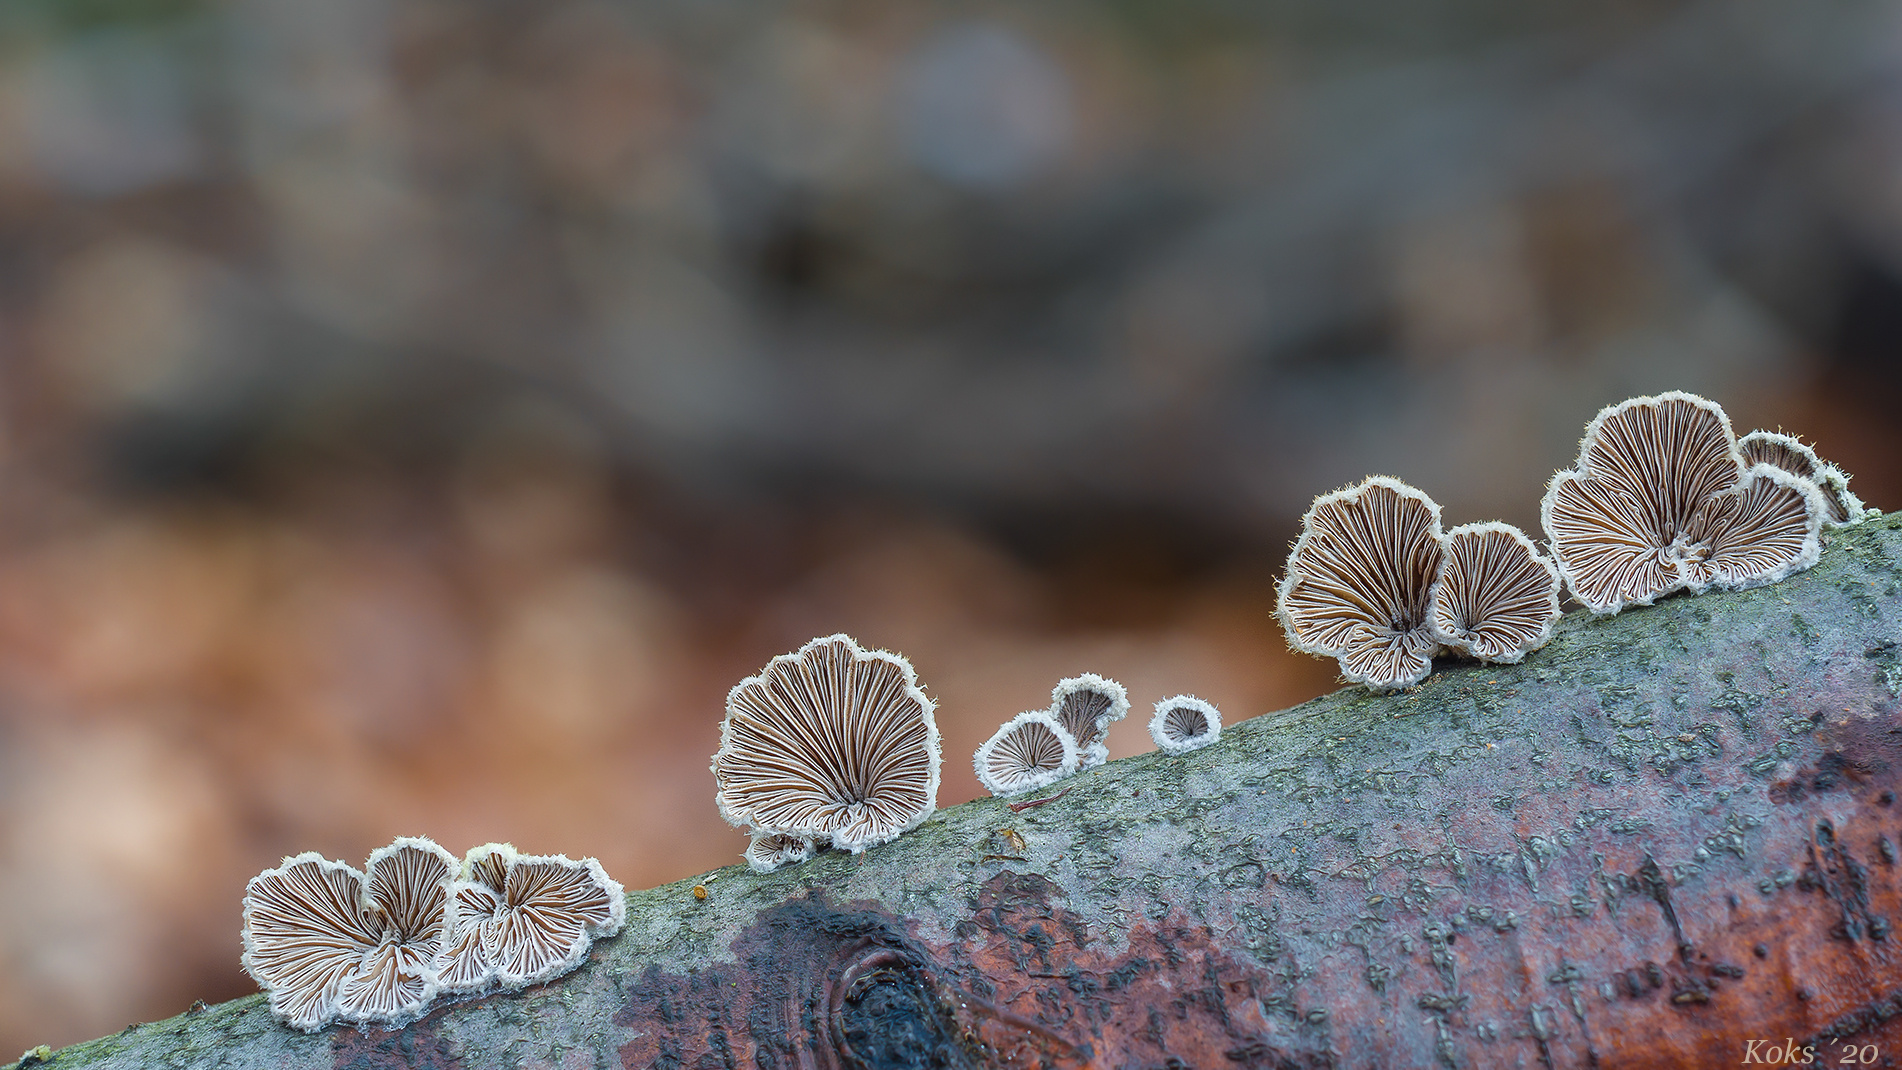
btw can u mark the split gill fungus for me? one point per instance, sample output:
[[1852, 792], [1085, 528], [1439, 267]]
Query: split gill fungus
[[1661, 500], [1185, 723], [830, 741], [1792, 455], [1030, 751], [521, 919], [328, 944], [1086, 706], [1496, 597], [1359, 582]]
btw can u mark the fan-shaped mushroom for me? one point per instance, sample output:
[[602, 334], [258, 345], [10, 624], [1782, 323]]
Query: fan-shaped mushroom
[[1793, 456], [1360, 580], [767, 853], [522, 919], [1031, 750], [326, 942], [1085, 706], [1661, 500], [1185, 723], [831, 741], [1497, 596]]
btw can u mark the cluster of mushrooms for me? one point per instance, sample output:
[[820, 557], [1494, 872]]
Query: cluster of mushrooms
[[1037, 748], [834, 745], [1663, 498], [328, 943]]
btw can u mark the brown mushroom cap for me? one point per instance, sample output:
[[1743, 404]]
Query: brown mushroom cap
[[1637, 517], [326, 942], [1497, 597], [1086, 706], [832, 741], [1185, 723], [1793, 456], [526, 918], [1359, 582], [1031, 750]]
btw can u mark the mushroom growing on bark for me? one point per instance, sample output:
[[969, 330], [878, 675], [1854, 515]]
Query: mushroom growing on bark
[[1661, 500], [1790, 454], [521, 919], [831, 741], [1031, 750], [1185, 723], [327, 943], [1497, 596], [768, 852], [1085, 706], [1359, 582]]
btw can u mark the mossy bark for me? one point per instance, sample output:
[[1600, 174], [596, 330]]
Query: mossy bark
[[1667, 839]]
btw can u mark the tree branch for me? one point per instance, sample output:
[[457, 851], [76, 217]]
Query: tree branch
[[1666, 835]]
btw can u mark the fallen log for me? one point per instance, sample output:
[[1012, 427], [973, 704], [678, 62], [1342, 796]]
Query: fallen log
[[1668, 839]]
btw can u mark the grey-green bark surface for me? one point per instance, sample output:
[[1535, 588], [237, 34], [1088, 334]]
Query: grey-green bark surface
[[1666, 834]]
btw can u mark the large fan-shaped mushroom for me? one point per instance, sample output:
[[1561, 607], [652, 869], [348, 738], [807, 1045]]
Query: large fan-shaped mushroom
[[1360, 580], [1661, 501], [1497, 597], [1086, 706], [1031, 750], [831, 741], [1793, 456], [522, 919], [1185, 723], [326, 942]]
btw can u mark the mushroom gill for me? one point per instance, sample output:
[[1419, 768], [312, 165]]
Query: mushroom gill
[[1359, 582], [1031, 750], [830, 741]]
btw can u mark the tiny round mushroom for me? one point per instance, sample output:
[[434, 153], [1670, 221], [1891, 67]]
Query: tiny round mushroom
[[1497, 597], [326, 942], [1185, 723], [772, 851], [1030, 751], [523, 919], [1791, 454], [1661, 500], [1086, 706], [1359, 582], [830, 741]]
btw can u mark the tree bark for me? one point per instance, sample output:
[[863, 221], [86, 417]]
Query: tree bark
[[1667, 839]]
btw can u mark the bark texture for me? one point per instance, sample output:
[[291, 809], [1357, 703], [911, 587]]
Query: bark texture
[[1666, 835]]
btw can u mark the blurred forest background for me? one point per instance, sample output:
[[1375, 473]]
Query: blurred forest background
[[416, 414]]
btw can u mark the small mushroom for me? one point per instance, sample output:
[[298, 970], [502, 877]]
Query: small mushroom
[[326, 942], [1497, 596], [831, 741], [1031, 750], [1085, 706], [770, 852], [1661, 500], [1789, 453], [522, 919], [1185, 723], [1359, 582]]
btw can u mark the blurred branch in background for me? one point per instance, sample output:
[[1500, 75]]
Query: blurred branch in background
[[416, 415]]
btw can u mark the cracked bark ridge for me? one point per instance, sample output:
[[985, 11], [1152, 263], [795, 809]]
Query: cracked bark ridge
[[1662, 836]]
